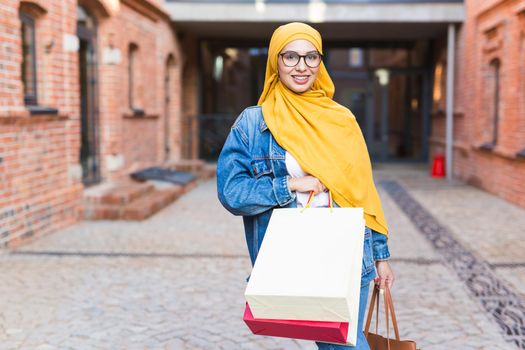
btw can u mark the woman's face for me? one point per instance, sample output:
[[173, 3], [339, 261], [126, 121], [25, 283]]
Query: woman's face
[[298, 78]]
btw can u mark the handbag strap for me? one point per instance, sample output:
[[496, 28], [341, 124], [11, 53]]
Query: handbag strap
[[371, 312], [389, 309], [387, 325], [377, 314], [393, 313]]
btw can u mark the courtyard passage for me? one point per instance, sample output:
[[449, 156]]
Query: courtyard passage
[[176, 280]]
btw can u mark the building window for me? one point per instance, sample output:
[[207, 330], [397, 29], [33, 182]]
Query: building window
[[437, 92], [491, 98], [356, 57], [495, 72], [84, 19], [133, 79], [29, 77]]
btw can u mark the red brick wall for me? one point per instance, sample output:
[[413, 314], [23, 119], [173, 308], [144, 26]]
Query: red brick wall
[[11, 99], [170, 61], [156, 41], [190, 96], [493, 29], [40, 184], [38, 193], [40, 174], [138, 131]]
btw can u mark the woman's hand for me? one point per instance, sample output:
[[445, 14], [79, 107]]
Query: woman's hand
[[386, 275], [306, 184]]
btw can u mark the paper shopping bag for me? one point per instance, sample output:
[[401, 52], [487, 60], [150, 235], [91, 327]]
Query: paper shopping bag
[[333, 332], [309, 267]]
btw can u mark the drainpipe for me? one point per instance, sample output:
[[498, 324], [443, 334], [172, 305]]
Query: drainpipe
[[449, 146]]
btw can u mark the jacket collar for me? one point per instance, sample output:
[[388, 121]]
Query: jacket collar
[[262, 126]]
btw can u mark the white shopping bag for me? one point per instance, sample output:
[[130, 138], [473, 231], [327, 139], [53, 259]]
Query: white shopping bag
[[309, 267]]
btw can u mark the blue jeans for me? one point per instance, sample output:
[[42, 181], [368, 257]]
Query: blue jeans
[[361, 340]]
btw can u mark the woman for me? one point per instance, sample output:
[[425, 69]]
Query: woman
[[298, 140]]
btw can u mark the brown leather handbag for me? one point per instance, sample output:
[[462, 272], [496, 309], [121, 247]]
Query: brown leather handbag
[[377, 342]]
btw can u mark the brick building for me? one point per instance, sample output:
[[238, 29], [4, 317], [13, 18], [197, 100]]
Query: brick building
[[90, 90], [489, 113]]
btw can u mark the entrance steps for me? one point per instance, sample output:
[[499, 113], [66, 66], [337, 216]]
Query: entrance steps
[[128, 199], [198, 167]]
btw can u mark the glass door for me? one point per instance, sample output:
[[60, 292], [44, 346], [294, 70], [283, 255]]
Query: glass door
[[89, 147], [387, 89], [232, 79], [400, 115]]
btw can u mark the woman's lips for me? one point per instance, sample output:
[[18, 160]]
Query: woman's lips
[[301, 79]]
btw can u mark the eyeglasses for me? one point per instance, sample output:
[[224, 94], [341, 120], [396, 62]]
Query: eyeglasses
[[292, 58]]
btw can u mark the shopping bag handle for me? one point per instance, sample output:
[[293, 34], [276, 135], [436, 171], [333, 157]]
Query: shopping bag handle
[[311, 197], [389, 309]]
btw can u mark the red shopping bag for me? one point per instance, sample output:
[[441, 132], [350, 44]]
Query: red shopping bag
[[332, 332]]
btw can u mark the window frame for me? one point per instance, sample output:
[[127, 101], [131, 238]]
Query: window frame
[[495, 66], [133, 52], [30, 99]]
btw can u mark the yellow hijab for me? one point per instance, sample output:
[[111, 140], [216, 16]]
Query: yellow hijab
[[321, 134]]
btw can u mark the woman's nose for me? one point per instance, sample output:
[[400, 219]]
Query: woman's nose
[[301, 65]]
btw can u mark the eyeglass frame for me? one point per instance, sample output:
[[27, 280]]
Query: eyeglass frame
[[303, 57]]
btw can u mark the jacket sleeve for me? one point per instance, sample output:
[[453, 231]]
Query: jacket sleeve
[[380, 246], [239, 191]]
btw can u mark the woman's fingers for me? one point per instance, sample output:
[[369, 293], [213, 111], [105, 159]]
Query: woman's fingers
[[307, 184], [385, 282], [385, 275], [382, 283], [320, 187], [390, 283]]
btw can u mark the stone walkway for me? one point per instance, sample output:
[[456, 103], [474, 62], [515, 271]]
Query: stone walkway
[[176, 281]]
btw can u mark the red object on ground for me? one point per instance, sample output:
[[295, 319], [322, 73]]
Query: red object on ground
[[333, 332], [438, 166]]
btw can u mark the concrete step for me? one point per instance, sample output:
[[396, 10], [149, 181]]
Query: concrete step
[[187, 165], [139, 208], [208, 171], [132, 200], [198, 167], [144, 207], [119, 192], [99, 211]]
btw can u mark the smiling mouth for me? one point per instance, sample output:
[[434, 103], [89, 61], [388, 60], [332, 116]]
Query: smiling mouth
[[301, 78]]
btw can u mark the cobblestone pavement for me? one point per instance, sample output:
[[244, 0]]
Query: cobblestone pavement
[[176, 281]]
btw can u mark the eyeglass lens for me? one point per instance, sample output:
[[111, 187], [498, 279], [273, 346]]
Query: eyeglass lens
[[292, 58]]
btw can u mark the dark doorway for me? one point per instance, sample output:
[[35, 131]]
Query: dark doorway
[[89, 146], [400, 115], [385, 85], [387, 88], [232, 79]]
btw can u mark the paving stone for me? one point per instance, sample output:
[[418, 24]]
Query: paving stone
[[515, 276], [45, 347], [176, 280], [175, 344]]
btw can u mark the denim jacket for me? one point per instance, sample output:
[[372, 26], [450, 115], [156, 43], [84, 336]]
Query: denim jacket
[[252, 180]]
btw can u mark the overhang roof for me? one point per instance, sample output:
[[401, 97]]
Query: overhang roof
[[335, 20]]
